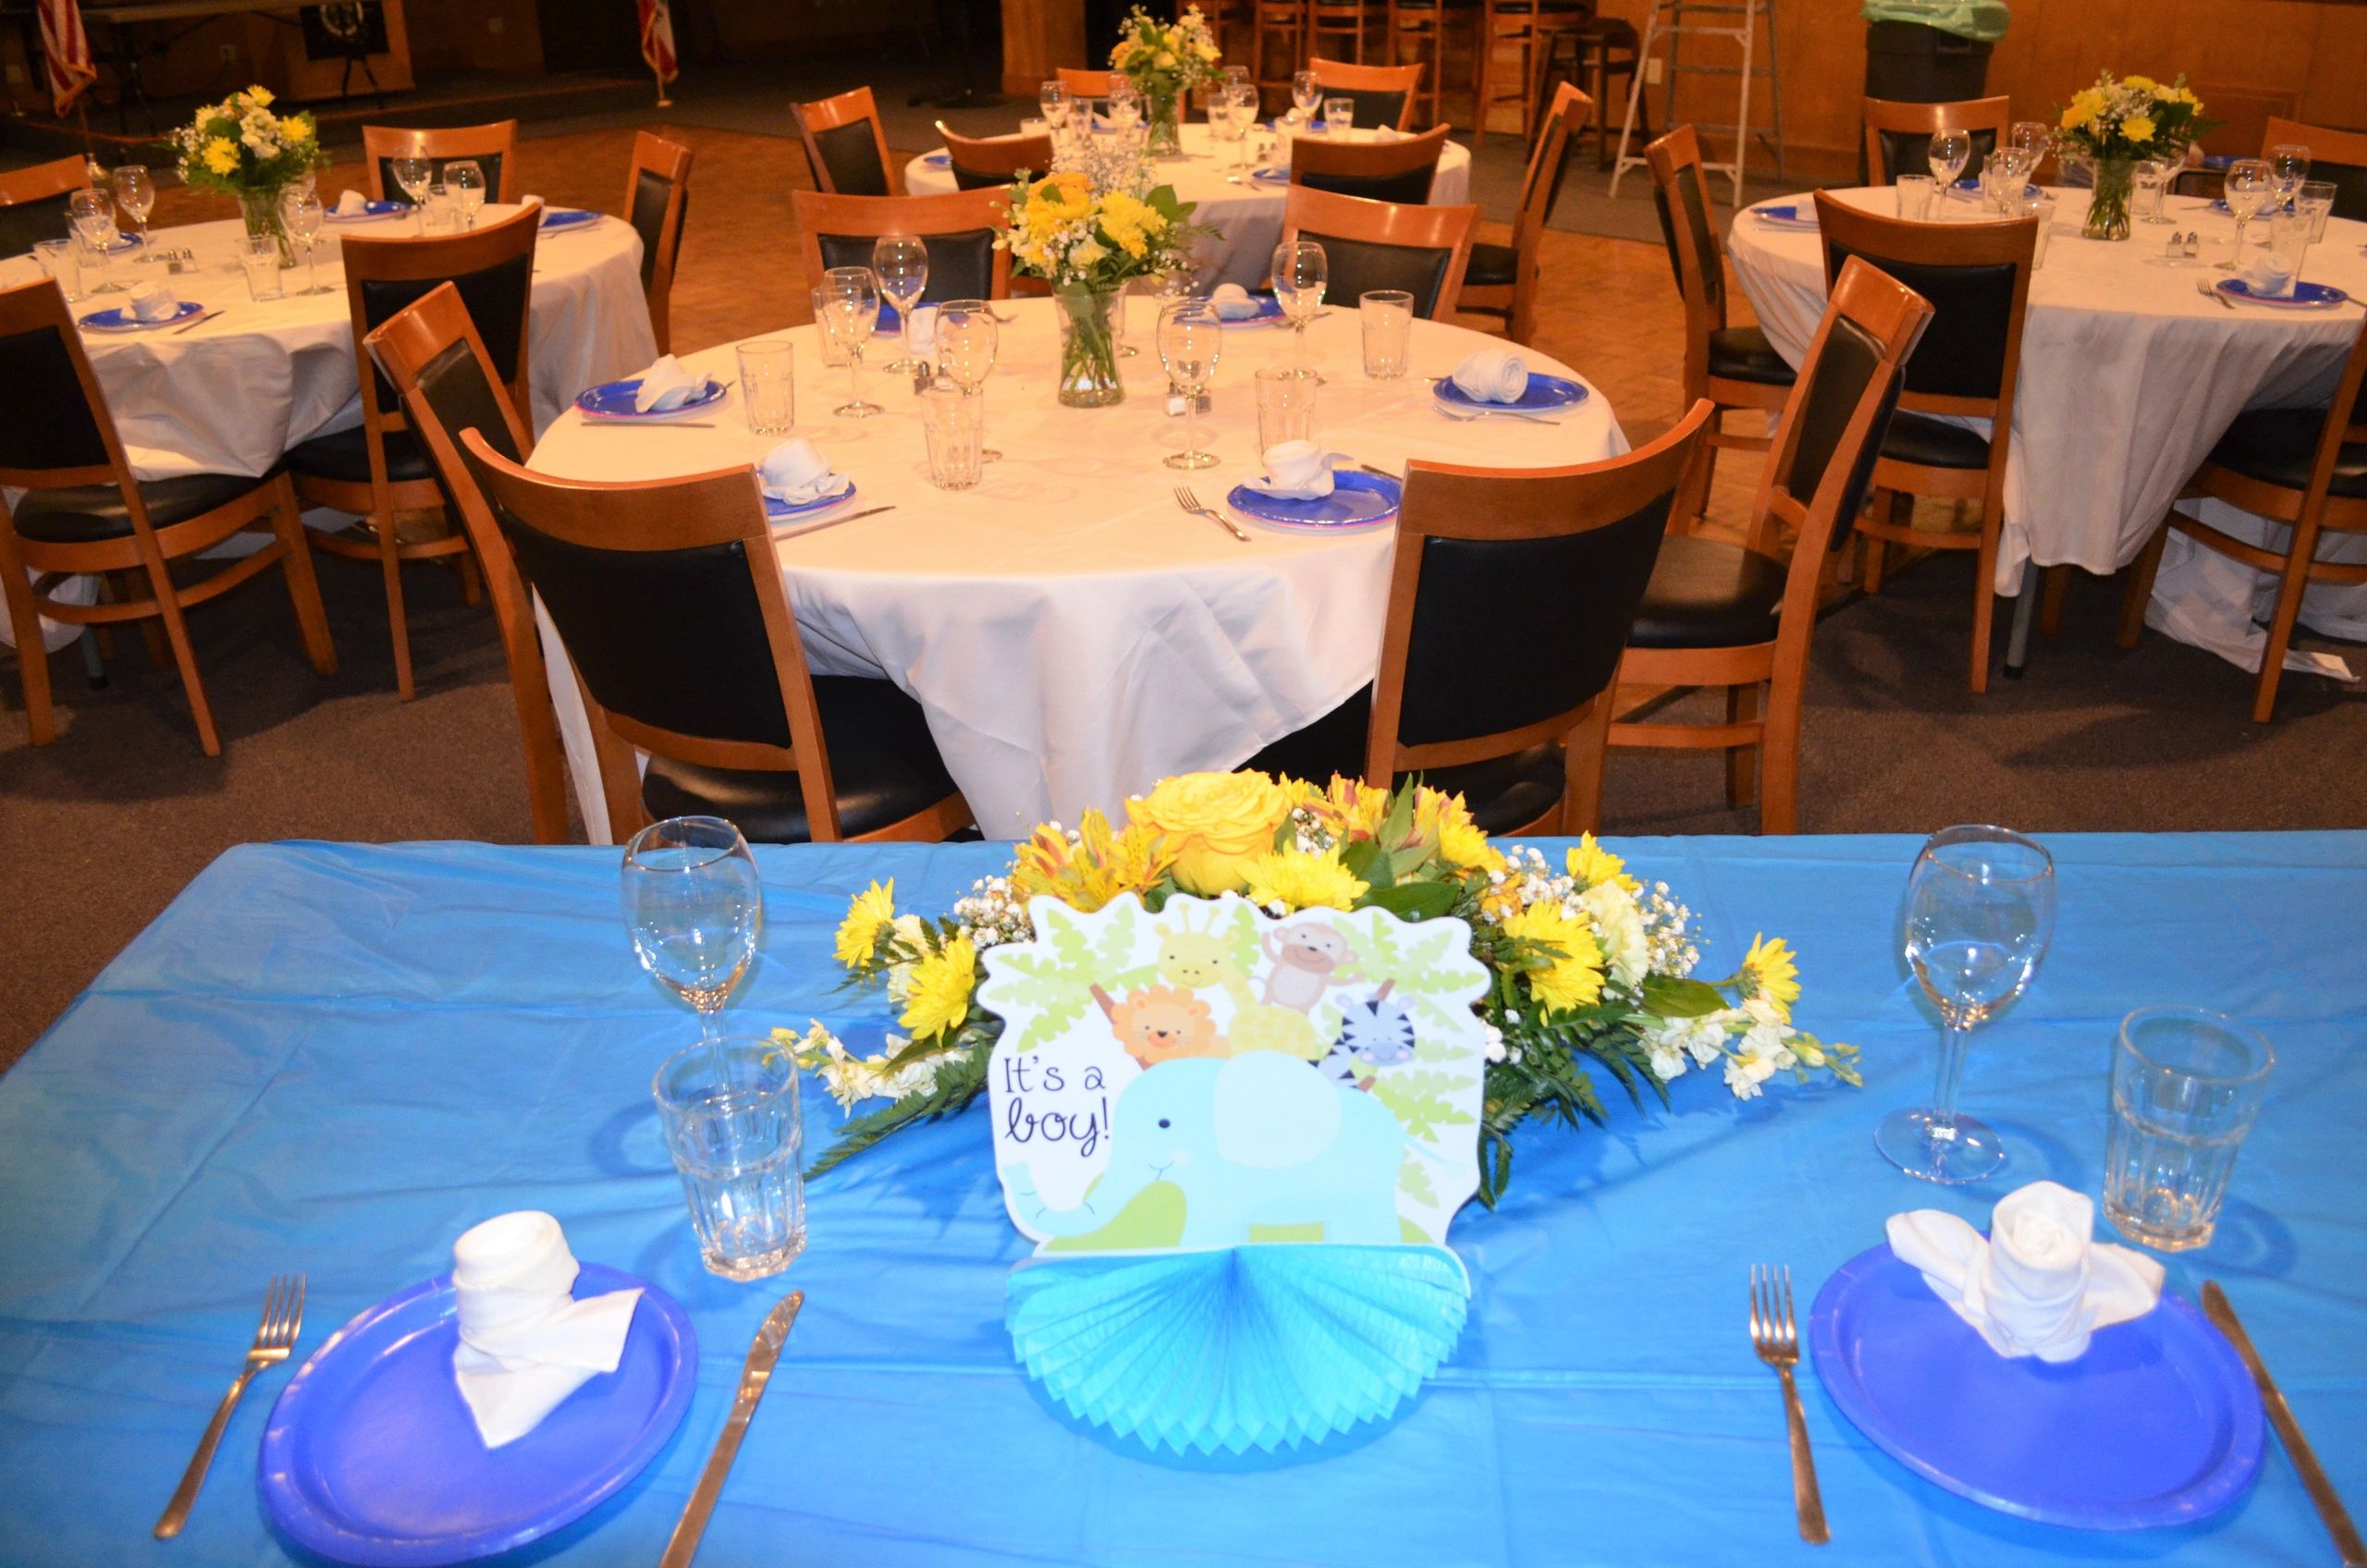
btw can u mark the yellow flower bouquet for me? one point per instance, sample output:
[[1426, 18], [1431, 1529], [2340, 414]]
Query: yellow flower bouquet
[[1087, 244], [239, 148], [1592, 968], [2119, 123], [1164, 61]]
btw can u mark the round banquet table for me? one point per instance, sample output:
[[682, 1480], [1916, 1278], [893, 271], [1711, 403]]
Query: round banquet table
[[1248, 217], [1072, 634], [2129, 376]]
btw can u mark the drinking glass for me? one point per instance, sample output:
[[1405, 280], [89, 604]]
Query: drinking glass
[[1950, 151], [1980, 913], [2289, 238], [2316, 201], [695, 910], [2041, 207], [412, 175], [2247, 190], [259, 254], [834, 354], [135, 192], [2288, 166], [1286, 407], [2031, 139], [952, 419], [2186, 1087], [1125, 106], [1123, 292], [61, 259], [1191, 339], [439, 211], [1387, 315], [967, 340], [466, 181], [2150, 182], [1237, 76], [849, 311], [300, 210], [1055, 100], [1307, 95], [1300, 269], [94, 219], [1914, 196], [1224, 133], [900, 264], [1339, 115], [732, 1124], [769, 386]]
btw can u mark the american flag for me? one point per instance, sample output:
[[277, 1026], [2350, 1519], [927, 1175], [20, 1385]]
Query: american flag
[[656, 38], [68, 50]]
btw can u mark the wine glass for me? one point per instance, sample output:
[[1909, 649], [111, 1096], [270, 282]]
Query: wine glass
[[1125, 104], [2030, 139], [301, 211], [695, 908], [1243, 102], [967, 340], [1980, 913], [1300, 268], [2249, 185], [900, 264], [850, 311], [1306, 95], [412, 175], [1222, 130], [1949, 152], [466, 181], [1191, 339], [135, 192], [93, 217], [1055, 101], [2288, 166]]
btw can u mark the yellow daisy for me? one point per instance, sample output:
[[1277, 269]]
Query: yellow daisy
[[1571, 981], [1770, 971], [1303, 881], [2137, 127], [868, 915], [1590, 864], [221, 156], [937, 995]]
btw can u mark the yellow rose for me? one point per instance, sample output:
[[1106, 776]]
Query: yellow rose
[[1216, 823]]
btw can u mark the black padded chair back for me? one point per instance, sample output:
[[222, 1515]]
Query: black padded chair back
[[1410, 187], [651, 192], [974, 179], [1851, 357], [1375, 108], [1698, 231], [1963, 351], [851, 154], [961, 264], [453, 383], [1356, 267], [2349, 182], [1909, 152], [488, 161], [495, 296], [45, 422], [25, 223]]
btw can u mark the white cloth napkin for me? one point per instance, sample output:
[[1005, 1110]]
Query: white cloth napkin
[[1387, 133], [920, 333], [1493, 375], [2038, 1285], [2270, 277], [666, 385], [525, 1342], [152, 301], [352, 203], [794, 473], [531, 202], [1295, 470], [1232, 302]]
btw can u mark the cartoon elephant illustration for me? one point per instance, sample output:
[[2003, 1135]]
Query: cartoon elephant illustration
[[1261, 1141]]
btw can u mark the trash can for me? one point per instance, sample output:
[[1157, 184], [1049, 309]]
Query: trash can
[[1929, 51]]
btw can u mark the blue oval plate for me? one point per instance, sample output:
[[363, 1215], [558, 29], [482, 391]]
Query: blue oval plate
[[120, 319], [124, 239], [1272, 174], [1268, 308], [2305, 296], [567, 217], [783, 512], [1357, 500], [613, 399], [1544, 393], [371, 212], [371, 1457], [939, 160], [2158, 1424], [1786, 216]]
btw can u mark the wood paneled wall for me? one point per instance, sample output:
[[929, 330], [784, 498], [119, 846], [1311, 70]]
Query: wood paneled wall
[[1038, 37]]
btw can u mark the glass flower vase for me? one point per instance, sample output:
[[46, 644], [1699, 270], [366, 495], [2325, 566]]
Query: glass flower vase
[[1165, 119], [1089, 347], [260, 211], [2108, 205]]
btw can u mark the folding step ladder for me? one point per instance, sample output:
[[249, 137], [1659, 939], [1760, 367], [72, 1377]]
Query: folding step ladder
[[1737, 21]]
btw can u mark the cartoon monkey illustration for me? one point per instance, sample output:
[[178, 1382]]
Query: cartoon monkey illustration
[[1309, 959]]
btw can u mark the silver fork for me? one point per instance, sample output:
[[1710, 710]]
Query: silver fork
[[282, 1319], [1191, 503], [1465, 416], [1777, 1341], [2202, 287]]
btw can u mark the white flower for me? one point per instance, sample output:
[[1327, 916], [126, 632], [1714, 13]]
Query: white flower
[[1745, 1075], [1619, 927], [1703, 1039], [1495, 1042], [1667, 1063]]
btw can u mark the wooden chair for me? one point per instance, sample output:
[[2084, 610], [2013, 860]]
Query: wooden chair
[[493, 147], [1331, 23], [846, 146], [657, 202], [34, 202], [1720, 614], [377, 469], [1734, 367], [1495, 568], [437, 364], [1977, 278], [1383, 94], [2304, 469], [1371, 245], [1079, 83], [2337, 156], [1899, 136], [979, 161], [84, 513], [1600, 49], [1379, 171], [1417, 33], [1277, 23], [1504, 24], [670, 603], [959, 227], [1501, 279]]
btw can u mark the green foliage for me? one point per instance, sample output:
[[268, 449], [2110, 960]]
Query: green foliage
[[1670, 998], [1411, 900]]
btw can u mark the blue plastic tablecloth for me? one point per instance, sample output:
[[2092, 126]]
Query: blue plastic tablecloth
[[334, 1058]]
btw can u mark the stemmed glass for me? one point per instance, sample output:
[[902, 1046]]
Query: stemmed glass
[[967, 340], [1307, 95], [695, 908], [92, 216], [135, 192], [2249, 185], [466, 181], [1980, 914], [1224, 130], [1055, 101], [2288, 166], [1125, 106], [2030, 139], [1300, 269], [850, 309], [900, 264], [1948, 153], [300, 210], [1243, 101], [1191, 339], [412, 175]]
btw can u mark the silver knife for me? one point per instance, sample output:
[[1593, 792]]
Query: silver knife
[[199, 321], [2331, 1512], [762, 1352]]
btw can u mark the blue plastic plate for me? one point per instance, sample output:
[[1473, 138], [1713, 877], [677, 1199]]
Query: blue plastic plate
[[371, 212], [567, 218], [1268, 308], [781, 511], [124, 239], [2156, 1425], [614, 399], [1545, 393], [119, 318], [372, 1458], [1357, 500], [1786, 214], [1272, 174], [2305, 296], [939, 160]]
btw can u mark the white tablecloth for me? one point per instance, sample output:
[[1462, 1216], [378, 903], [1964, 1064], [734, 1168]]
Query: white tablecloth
[[1248, 217], [2129, 376], [1073, 635]]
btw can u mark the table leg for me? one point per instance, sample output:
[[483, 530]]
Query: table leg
[[2017, 641]]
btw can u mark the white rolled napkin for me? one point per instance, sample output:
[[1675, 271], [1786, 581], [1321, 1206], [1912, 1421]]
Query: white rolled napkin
[[2270, 277], [2038, 1284], [1232, 302], [352, 203], [1387, 133], [152, 301], [531, 202], [1295, 470], [1493, 375], [920, 333], [525, 1342], [666, 385], [794, 473]]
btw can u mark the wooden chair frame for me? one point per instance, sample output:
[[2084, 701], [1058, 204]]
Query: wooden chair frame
[[2001, 242], [862, 217], [671, 161], [42, 181], [1082, 81], [2323, 141], [394, 260], [1418, 25], [1001, 158], [1452, 501], [1766, 682], [1516, 301], [723, 507], [1880, 115], [1353, 76], [440, 142], [829, 113], [1500, 25], [2310, 513], [29, 567], [1271, 19], [1389, 223], [1321, 155], [403, 346]]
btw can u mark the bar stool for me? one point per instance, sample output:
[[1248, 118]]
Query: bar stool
[[1349, 19], [1501, 23], [1284, 19], [1418, 36], [1600, 48]]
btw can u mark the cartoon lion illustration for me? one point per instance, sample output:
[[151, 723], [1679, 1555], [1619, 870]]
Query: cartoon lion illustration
[[1162, 1024]]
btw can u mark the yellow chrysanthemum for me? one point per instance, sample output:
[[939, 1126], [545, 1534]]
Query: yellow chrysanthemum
[[937, 995], [1303, 881], [1571, 981], [221, 156], [1590, 865], [868, 915], [1768, 969], [2137, 127], [2141, 84], [261, 97]]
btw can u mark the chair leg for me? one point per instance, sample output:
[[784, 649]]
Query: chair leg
[[32, 654], [472, 580], [2050, 606], [2134, 598], [1742, 762], [2302, 546], [303, 585], [1876, 551], [127, 590], [1984, 598], [169, 610], [1779, 748], [1584, 751]]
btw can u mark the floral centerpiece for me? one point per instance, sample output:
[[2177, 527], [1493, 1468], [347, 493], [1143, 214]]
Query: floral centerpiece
[[1166, 60], [1088, 245], [2118, 124], [239, 148], [1592, 968]]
